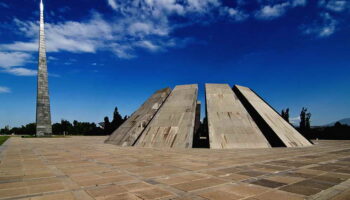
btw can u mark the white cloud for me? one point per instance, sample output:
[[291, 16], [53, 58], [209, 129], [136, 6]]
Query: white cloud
[[20, 46], [11, 59], [148, 45], [141, 24], [235, 14], [4, 89], [20, 71], [268, 12], [10, 62], [113, 4], [299, 3], [146, 28], [334, 5], [332, 12], [122, 51], [294, 120], [165, 7], [121, 36], [52, 58], [202, 5], [272, 11], [325, 27], [69, 36]]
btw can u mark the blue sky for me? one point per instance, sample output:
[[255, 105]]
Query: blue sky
[[107, 53]]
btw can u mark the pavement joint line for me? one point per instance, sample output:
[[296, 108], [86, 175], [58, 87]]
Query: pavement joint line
[[32, 179], [41, 194], [335, 190]]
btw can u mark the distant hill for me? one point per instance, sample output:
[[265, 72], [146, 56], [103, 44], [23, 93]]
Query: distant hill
[[342, 121]]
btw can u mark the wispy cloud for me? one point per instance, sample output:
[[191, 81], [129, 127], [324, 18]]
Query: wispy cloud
[[11, 59], [3, 5], [10, 62], [4, 89], [113, 4], [236, 14], [20, 71], [149, 25], [294, 120], [322, 28], [52, 58], [298, 3], [330, 17], [143, 24], [335, 5], [272, 11]]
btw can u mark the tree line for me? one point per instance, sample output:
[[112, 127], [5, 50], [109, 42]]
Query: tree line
[[65, 127], [336, 132]]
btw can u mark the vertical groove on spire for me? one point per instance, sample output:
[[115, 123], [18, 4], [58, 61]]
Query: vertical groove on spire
[[43, 114]]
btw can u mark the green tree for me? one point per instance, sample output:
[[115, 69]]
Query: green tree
[[107, 126], [307, 121], [66, 126], [5, 130], [305, 124], [302, 123], [117, 119], [285, 114]]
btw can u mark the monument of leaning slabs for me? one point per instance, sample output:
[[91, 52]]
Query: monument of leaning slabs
[[237, 118], [43, 113]]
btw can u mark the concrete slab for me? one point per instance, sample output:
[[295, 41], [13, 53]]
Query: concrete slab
[[230, 125], [173, 125], [275, 128], [131, 129]]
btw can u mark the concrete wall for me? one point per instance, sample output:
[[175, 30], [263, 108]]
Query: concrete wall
[[270, 119], [131, 129], [173, 125], [230, 125]]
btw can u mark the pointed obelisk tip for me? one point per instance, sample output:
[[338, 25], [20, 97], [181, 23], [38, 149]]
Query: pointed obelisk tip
[[41, 5]]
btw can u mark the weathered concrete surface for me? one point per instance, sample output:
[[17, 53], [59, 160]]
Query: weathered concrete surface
[[230, 125], [173, 125], [84, 168], [43, 113], [285, 132], [131, 129]]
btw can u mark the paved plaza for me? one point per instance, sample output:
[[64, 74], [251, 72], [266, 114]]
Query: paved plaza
[[86, 168]]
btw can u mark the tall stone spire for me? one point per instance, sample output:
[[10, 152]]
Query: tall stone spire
[[43, 114]]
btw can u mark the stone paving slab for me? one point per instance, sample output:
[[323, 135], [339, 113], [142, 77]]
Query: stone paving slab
[[86, 168]]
